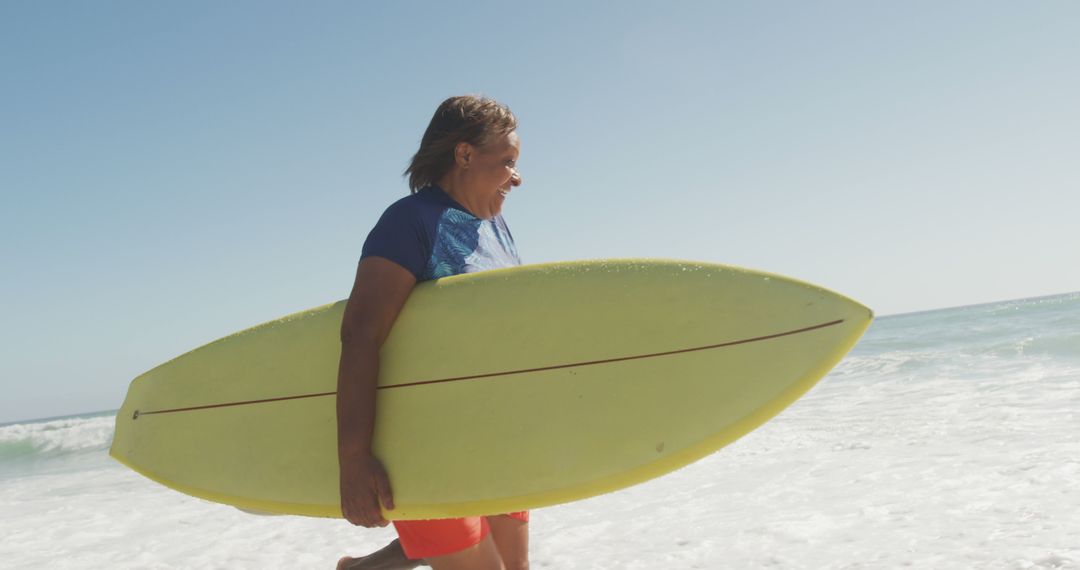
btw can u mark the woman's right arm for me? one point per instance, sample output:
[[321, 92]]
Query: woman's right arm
[[379, 292]]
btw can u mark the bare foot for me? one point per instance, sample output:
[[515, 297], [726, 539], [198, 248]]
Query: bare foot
[[389, 557]]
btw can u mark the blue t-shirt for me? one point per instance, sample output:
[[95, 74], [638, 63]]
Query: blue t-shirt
[[433, 236]]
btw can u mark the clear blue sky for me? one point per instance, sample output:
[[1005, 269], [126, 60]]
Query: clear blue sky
[[173, 172]]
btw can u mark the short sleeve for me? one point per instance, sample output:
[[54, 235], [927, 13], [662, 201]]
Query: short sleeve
[[400, 236]]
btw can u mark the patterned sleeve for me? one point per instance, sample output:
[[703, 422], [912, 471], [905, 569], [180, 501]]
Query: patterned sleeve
[[400, 236]]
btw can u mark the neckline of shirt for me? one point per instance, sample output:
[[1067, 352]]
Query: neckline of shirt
[[438, 191]]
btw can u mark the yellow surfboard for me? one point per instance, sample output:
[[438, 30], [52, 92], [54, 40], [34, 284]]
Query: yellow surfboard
[[499, 391]]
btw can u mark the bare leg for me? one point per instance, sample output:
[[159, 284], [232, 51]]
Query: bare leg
[[482, 556], [390, 557], [511, 538]]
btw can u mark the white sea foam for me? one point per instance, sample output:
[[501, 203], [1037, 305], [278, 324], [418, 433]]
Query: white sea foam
[[65, 435], [945, 440]]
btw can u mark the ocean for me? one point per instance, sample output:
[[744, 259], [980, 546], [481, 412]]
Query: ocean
[[946, 439]]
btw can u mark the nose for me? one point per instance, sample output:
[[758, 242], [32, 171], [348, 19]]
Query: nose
[[515, 179]]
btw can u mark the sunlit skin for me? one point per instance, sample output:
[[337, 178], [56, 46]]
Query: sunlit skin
[[482, 177]]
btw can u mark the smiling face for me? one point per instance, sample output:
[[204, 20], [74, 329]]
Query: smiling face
[[482, 177]]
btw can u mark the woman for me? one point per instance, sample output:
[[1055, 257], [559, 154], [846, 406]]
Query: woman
[[450, 224]]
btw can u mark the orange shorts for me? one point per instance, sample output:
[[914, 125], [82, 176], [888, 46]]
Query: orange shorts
[[439, 537]]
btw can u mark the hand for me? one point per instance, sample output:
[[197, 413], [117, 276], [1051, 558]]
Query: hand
[[364, 484]]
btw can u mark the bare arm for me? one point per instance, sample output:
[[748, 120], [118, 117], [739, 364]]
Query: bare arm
[[378, 294]]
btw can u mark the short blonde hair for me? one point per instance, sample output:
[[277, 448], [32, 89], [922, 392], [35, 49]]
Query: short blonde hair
[[467, 118]]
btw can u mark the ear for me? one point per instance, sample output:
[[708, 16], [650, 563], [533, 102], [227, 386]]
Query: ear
[[463, 152]]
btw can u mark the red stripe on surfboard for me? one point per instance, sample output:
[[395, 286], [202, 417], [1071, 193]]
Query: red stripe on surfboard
[[508, 372], [230, 404], [610, 360]]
